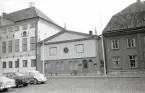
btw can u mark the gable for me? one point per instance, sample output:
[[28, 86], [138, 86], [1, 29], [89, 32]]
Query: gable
[[66, 36]]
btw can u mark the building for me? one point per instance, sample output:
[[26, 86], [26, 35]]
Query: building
[[124, 40], [70, 52], [19, 33]]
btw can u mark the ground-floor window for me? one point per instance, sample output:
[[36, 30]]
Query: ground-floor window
[[16, 64], [33, 63], [4, 64], [116, 62], [10, 64], [47, 65], [133, 61], [62, 65], [25, 63]]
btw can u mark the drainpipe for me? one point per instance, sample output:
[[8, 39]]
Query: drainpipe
[[43, 58], [103, 45]]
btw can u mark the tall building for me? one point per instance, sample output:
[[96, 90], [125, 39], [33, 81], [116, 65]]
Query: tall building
[[70, 52], [19, 33], [124, 40]]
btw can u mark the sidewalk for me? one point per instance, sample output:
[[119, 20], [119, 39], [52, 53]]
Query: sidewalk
[[127, 75]]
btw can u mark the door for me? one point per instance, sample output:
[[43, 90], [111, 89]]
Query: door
[[85, 66]]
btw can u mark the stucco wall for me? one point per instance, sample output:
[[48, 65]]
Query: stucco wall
[[123, 52], [89, 50], [46, 29]]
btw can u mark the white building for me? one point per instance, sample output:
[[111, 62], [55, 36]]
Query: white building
[[69, 51], [19, 33]]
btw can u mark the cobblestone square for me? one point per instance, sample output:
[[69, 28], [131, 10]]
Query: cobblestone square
[[85, 85]]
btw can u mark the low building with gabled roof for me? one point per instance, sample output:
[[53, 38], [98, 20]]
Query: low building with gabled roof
[[70, 52]]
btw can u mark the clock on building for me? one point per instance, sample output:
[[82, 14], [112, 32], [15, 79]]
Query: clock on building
[[65, 50]]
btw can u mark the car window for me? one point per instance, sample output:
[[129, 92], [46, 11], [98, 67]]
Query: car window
[[19, 74]]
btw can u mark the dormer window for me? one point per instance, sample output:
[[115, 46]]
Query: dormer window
[[25, 27], [24, 34]]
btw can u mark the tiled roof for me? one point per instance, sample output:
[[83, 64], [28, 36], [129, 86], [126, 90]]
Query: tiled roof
[[26, 14], [131, 17]]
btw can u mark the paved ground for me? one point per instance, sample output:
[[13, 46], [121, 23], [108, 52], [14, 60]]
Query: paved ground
[[86, 85]]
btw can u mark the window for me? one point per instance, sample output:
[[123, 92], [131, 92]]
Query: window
[[24, 27], [80, 48], [10, 29], [24, 44], [61, 65], [70, 65], [4, 64], [10, 64], [32, 25], [17, 28], [131, 43], [16, 64], [58, 64], [32, 43], [33, 63], [53, 51], [4, 47], [115, 44], [10, 46], [24, 63], [17, 45], [116, 62], [47, 65], [133, 61]]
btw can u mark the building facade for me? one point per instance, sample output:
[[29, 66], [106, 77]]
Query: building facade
[[70, 52], [19, 33], [124, 40]]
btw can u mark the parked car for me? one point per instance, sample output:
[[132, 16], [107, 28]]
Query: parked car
[[20, 79], [37, 77], [6, 83]]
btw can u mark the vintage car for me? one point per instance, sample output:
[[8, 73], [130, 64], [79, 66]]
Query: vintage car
[[6, 83], [37, 77], [19, 78]]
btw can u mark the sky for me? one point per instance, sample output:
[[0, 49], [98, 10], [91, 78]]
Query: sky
[[78, 15]]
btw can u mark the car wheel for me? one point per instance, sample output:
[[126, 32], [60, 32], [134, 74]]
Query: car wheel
[[35, 81], [6, 89], [25, 84]]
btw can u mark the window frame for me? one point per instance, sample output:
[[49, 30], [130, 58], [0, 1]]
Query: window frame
[[32, 43], [116, 61], [5, 64], [25, 65], [11, 65], [4, 47], [24, 45], [24, 27], [132, 42], [17, 65], [10, 46], [114, 44], [79, 45], [55, 51], [135, 60], [17, 45], [32, 25], [33, 62]]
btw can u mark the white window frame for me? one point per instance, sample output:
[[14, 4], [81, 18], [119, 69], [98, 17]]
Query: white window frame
[[25, 61], [116, 59], [134, 58], [78, 46], [115, 44], [132, 42], [32, 43], [53, 51], [11, 66], [17, 45], [24, 27], [10, 48]]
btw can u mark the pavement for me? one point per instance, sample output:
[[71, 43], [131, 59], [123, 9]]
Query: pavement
[[85, 85], [116, 75]]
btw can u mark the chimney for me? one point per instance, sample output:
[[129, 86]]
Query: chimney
[[4, 14], [90, 32], [31, 4]]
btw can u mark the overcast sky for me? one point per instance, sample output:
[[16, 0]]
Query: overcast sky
[[79, 15]]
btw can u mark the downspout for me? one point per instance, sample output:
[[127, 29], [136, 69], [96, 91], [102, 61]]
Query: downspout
[[36, 38], [103, 45]]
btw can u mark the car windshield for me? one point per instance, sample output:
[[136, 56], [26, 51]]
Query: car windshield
[[35, 73], [2, 77], [19, 74]]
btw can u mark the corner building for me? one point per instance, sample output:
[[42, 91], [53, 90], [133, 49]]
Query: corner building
[[124, 40], [19, 33]]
